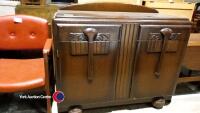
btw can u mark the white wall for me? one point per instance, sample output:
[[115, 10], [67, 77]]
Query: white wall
[[7, 7]]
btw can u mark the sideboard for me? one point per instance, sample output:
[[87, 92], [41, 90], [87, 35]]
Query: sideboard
[[107, 59]]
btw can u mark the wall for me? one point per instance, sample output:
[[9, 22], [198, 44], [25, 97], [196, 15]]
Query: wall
[[7, 7]]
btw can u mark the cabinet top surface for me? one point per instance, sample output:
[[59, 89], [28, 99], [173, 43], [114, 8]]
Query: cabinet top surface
[[115, 15]]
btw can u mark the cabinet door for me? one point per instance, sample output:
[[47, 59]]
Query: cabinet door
[[159, 53], [87, 58]]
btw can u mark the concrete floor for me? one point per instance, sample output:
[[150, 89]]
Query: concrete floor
[[186, 100], [189, 103]]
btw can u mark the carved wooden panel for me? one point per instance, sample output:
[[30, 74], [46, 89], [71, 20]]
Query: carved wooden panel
[[155, 42], [79, 44], [125, 60]]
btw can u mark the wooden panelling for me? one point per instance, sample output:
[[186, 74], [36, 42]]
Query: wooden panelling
[[125, 60], [193, 52]]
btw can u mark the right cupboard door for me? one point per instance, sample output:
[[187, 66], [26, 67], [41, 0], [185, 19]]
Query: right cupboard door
[[160, 49]]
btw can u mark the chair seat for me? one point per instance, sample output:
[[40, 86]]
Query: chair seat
[[21, 74]]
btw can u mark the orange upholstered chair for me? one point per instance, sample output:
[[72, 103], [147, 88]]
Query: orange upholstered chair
[[22, 34]]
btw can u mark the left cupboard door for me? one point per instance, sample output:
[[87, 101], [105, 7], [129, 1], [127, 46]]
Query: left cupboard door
[[86, 61]]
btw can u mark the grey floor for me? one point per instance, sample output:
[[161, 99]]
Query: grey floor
[[186, 100], [180, 104], [183, 102], [11, 103]]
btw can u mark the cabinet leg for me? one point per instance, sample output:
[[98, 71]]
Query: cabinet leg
[[75, 110], [158, 103], [167, 102]]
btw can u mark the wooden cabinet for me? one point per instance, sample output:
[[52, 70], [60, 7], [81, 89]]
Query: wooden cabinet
[[106, 59]]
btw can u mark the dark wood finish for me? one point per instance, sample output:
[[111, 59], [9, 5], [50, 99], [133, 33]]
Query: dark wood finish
[[125, 59], [90, 34], [166, 34], [135, 43], [103, 64], [145, 83], [109, 7]]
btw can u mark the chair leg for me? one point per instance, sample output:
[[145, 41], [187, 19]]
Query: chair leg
[[48, 93], [48, 102]]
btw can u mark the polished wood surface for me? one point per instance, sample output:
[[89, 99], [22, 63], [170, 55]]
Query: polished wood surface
[[126, 71], [110, 6], [104, 1], [146, 80]]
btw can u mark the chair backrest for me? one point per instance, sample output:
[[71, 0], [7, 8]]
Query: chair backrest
[[120, 7], [20, 32]]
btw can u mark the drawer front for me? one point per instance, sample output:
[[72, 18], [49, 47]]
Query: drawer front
[[159, 53], [87, 58]]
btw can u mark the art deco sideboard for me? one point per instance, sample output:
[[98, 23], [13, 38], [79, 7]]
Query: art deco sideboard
[[107, 59]]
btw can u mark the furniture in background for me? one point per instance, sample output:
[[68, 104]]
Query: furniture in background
[[192, 59], [27, 35], [33, 2], [192, 56], [105, 59], [43, 11], [196, 19], [175, 8]]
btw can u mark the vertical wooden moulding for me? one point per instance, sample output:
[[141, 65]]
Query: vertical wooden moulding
[[124, 66]]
